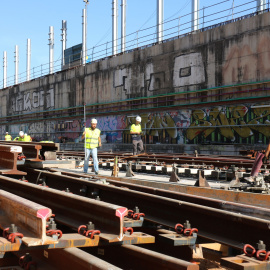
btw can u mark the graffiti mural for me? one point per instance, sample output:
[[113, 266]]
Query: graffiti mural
[[28, 101], [242, 123]]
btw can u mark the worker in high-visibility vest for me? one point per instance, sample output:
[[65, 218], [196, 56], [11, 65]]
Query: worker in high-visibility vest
[[27, 138], [8, 137], [92, 142], [21, 136], [136, 132]]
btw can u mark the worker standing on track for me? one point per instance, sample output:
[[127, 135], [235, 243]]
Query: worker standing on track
[[92, 142], [8, 137], [136, 132]]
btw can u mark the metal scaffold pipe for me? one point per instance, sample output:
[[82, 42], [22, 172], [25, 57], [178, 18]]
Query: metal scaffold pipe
[[5, 69], [16, 61], [51, 47], [64, 40], [123, 25], [114, 26], [195, 15], [160, 19], [28, 62]]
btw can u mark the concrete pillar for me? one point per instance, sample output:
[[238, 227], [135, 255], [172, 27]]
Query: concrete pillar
[[160, 19], [51, 48], [5, 69], [28, 60], [261, 5], [16, 61], [195, 15], [84, 37], [114, 26], [64, 41], [123, 25]]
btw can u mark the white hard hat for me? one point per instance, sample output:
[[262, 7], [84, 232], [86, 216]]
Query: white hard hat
[[21, 133], [94, 121], [25, 134], [6, 132], [138, 118]]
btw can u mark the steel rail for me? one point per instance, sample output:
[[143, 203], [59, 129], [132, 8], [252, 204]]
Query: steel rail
[[223, 226], [252, 199], [135, 257], [159, 156], [71, 209], [32, 150], [179, 159], [71, 258], [217, 203], [8, 159]]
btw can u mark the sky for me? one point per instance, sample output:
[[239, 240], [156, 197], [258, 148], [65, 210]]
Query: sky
[[31, 19]]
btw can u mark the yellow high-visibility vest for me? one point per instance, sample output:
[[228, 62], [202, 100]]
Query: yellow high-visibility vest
[[91, 138], [8, 138], [136, 128], [27, 138]]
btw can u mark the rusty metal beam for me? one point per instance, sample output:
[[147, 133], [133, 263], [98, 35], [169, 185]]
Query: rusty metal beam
[[8, 159], [252, 199], [28, 216], [135, 257], [71, 258], [33, 150], [73, 211], [178, 192]]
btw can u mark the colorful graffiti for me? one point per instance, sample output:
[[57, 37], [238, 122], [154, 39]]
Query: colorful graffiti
[[216, 124], [230, 122]]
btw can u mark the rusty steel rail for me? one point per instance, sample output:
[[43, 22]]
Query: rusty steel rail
[[8, 159], [218, 203], [224, 196], [135, 257], [211, 222], [73, 211], [35, 151], [30, 151], [218, 161], [71, 258], [29, 217]]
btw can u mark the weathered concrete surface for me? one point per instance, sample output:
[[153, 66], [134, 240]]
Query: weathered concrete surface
[[235, 53]]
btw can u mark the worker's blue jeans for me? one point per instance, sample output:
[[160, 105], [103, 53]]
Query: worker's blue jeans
[[95, 159]]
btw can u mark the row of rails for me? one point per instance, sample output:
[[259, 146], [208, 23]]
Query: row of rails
[[154, 211], [29, 230], [245, 173]]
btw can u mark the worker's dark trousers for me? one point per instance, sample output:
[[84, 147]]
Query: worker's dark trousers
[[137, 147]]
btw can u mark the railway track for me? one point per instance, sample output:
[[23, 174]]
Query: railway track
[[117, 212]]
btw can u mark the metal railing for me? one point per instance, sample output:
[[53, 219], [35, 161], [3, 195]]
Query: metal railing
[[173, 29]]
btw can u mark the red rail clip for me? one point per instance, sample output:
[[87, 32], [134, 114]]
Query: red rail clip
[[11, 236], [128, 229], [54, 232]]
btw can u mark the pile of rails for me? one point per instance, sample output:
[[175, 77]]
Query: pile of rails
[[58, 219]]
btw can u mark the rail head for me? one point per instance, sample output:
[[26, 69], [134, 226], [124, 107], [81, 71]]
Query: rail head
[[29, 217], [10, 148], [71, 209]]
